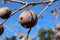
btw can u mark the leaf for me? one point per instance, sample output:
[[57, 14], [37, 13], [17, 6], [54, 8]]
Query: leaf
[[42, 33], [13, 38]]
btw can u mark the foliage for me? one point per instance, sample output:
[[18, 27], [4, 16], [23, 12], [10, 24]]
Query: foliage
[[45, 34], [12, 38]]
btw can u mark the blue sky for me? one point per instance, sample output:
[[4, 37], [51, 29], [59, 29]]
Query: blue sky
[[42, 22]]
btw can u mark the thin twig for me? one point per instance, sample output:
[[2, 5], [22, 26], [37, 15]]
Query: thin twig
[[20, 2], [3, 21], [44, 10], [31, 3], [20, 8], [36, 3], [28, 34]]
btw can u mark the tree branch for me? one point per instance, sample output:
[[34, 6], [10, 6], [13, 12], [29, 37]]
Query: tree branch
[[31, 3], [44, 10], [36, 3]]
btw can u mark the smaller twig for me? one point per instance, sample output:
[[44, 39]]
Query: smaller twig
[[3, 21], [36, 3], [28, 34], [20, 2], [20, 9], [44, 10]]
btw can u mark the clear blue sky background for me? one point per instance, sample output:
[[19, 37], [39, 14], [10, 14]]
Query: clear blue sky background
[[42, 22]]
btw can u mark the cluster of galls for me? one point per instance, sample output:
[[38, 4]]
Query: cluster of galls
[[27, 19]]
